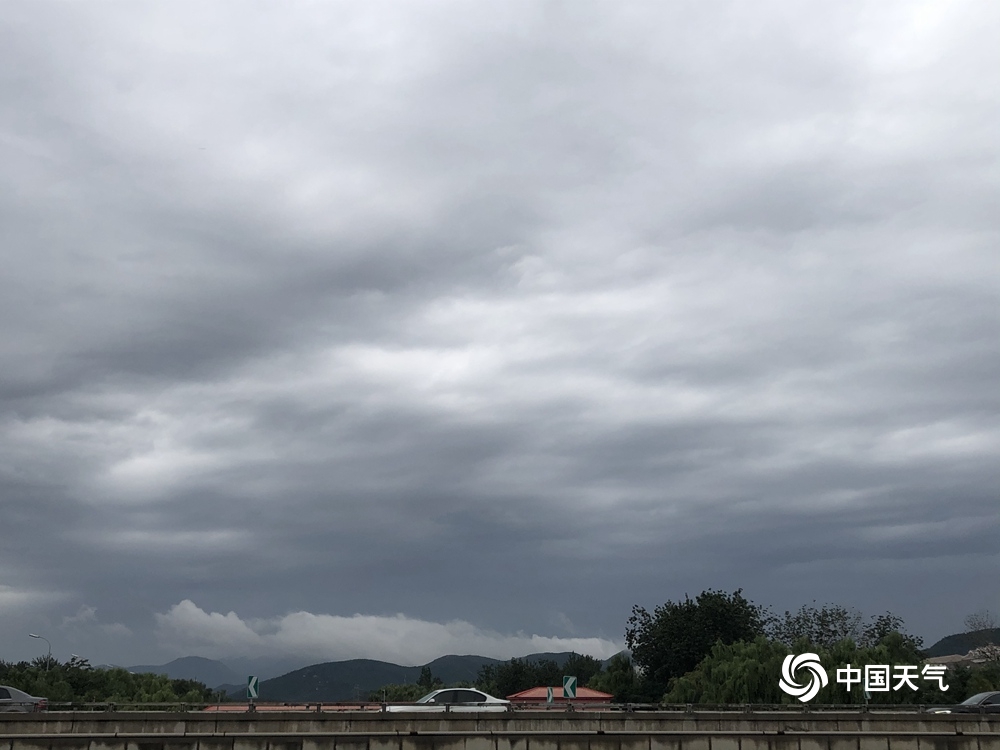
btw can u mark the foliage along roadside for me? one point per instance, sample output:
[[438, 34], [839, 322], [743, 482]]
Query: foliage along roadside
[[721, 648], [77, 682]]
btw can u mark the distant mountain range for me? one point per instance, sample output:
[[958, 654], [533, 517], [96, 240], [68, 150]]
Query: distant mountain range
[[284, 680], [356, 678], [209, 671], [963, 643], [331, 681], [218, 673]]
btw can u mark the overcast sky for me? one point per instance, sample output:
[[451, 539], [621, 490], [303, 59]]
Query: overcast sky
[[396, 329]]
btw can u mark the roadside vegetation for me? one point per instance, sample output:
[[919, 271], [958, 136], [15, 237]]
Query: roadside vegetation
[[76, 681], [723, 648]]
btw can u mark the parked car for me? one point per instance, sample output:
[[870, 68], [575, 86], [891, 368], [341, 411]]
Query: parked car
[[454, 699], [12, 699], [979, 703]]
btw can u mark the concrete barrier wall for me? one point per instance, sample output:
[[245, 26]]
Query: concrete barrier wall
[[519, 731], [708, 741], [300, 722]]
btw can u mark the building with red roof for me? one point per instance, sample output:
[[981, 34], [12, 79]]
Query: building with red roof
[[539, 694]]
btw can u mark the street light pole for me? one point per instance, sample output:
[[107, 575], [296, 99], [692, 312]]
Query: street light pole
[[48, 657]]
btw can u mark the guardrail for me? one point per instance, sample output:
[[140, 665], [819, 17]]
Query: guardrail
[[372, 706]]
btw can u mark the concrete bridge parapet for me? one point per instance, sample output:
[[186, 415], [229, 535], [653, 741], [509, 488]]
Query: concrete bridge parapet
[[613, 730]]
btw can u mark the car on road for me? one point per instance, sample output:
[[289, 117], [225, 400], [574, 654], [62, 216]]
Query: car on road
[[14, 700], [454, 699], [979, 703]]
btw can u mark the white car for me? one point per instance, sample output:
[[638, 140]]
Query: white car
[[454, 699], [12, 699]]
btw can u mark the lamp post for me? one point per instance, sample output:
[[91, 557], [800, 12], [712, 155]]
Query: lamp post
[[48, 657]]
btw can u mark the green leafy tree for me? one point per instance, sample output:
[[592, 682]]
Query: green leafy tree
[[507, 678], [821, 627], [427, 680], [748, 673], [77, 682], [543, 672], [582, 667], [980, 679], [894, 650], [676, 636], [740, 672], [620, 679], [982, 629], [829, 624], [881, 626]]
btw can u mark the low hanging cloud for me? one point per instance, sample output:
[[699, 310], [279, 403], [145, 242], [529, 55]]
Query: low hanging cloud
[[86, 619], [14, 599], [188, 629]]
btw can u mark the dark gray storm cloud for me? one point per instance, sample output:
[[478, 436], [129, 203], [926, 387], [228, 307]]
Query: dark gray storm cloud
[[329, 329]]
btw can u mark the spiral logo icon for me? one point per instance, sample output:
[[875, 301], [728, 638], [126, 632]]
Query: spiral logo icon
[[817, 676]]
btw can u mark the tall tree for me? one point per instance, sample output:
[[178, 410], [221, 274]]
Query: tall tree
[[825, 626], [427, 680], [742, 672], [882, 626], [748, 673], [822, 626], [507, 678], [619, 679], [582, 667], [982, 629], [676, 636], [982, 619]]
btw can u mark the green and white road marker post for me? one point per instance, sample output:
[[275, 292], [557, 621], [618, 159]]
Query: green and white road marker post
[[569, 690], [253, 689]]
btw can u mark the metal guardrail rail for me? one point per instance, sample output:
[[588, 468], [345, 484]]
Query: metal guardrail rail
[[375, 707], [278, 736]]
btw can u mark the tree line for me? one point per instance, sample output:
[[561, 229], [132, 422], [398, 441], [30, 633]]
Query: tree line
[[76, 681], [723, 648]]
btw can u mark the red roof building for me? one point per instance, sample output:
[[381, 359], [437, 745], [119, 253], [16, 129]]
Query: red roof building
[[539, 694]]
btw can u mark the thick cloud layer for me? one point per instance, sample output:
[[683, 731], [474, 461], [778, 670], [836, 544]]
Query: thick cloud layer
[[187, 628], [502, 318]]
